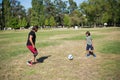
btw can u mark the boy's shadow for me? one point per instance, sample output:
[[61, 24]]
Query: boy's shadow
[[41, 59]]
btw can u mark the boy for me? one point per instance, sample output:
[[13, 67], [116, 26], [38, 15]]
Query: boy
[[31, 44], [89, 45]]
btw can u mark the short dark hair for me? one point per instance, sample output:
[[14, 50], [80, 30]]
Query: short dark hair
[[88, 33], [35, 27]]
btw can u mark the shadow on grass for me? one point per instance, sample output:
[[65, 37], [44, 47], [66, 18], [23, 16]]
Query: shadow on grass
[[41, 59]]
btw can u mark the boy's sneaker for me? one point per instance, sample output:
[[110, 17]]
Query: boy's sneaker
[[94, 55], [29, 63], [88, 55]]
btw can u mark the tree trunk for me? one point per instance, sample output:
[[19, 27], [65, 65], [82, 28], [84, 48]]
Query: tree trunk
[[94, 24]]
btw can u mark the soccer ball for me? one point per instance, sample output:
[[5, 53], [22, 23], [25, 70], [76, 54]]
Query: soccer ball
[[70, 57]]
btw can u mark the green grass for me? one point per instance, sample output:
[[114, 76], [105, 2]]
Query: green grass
[[13, 55], [46, 34], [46, 44], [110, 70], [13, 43], [82, 37], [110, 47]]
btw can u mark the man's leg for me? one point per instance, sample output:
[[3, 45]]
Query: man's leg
[[34, 55]]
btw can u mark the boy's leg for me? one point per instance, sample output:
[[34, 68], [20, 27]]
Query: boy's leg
[[87, 53], [93, 54], [92, 51], [87, 50]]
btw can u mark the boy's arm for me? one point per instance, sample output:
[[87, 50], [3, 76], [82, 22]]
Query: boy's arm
[[31, 41], [92, 43], [85, 42]]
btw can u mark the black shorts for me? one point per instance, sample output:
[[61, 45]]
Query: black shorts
[[89, 47]]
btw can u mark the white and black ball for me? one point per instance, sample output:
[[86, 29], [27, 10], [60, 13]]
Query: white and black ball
[[70, 57]]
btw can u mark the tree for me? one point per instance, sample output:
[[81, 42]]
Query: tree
[[14, 23], [112, 11], [60, 10], [101, 11], [46, 22], [34, 18], [16, 8], [11, 10], [22, 22], [6, 13], [52, 21], [18, 12], [1, 16], [28, 17], [72, 6], [61, 6], [67, 21], [49, 9], [37, 13]]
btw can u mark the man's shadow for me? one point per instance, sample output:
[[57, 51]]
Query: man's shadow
[[41, 59]]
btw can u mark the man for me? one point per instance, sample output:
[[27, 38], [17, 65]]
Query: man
[[31, 44]]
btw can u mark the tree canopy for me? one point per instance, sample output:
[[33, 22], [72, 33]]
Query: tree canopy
[[54, 13]]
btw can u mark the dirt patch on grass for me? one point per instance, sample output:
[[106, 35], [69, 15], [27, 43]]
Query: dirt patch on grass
[[57, 66]]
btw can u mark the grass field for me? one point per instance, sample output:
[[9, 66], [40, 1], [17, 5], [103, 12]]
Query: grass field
[[54, 46]]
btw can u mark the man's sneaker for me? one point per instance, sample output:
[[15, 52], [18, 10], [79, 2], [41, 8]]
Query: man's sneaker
[[34, 62], [29, 63]]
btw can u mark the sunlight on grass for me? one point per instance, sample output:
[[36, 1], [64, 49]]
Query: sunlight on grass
[[110, 47], [111, 71], [46, 44], [83, 37]]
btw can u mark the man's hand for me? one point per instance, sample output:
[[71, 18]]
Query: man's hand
[[33, 46]]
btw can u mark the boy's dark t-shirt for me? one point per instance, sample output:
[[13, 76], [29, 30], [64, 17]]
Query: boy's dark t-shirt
[[33, 38]]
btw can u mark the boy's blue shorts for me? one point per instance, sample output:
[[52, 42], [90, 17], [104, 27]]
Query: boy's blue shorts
[[89, 47]]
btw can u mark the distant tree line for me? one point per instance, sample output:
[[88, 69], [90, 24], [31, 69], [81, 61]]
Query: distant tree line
[[59, 13], [12, 14]]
